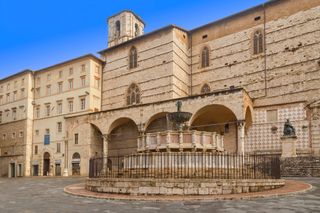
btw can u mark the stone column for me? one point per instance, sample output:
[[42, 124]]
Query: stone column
[[168, 140], [194, 140], [241, 137], [180, 141], [106, 140], [65, 171]]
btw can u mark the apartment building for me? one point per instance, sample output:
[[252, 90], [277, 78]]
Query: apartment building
[[16, 117]]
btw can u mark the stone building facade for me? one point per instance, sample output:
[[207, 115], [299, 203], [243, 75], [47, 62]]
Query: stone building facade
[[16, 117], [241, 77], [33, 107]]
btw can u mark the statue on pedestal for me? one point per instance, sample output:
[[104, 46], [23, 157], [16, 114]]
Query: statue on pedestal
[[288, 129]]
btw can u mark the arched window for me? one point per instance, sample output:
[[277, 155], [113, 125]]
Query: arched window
[[133, 56], [137, 30], [258, 42], [133, 95], [205, 89], [76, 155], [117, 32], [205, 57]]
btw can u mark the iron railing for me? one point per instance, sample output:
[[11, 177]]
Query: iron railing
[[186, 165]]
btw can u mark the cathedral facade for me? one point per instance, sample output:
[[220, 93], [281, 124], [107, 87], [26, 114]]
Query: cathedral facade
[[241, 77]]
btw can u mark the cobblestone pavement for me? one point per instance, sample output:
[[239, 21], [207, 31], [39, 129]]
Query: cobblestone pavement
[[46, 195]]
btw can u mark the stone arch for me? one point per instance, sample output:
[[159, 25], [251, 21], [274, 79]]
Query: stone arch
[[133, 94], [248, 119], [205, 57], [76, 155], [133, 57], [220, 119], [258, 41], [76, 159], [157, 122], [46, 163], [117, 29], [205, 88], [123, 136]]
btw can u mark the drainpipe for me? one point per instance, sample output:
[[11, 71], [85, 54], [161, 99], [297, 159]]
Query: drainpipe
[[191, 63]]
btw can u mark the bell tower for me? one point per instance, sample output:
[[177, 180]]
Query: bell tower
[[124, 26]]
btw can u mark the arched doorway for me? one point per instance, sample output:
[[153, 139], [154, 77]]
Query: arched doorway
[[219, 119], [76, 164], [46, 164], [123, 138]]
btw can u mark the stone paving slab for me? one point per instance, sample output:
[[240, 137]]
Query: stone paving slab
[[291, 187]]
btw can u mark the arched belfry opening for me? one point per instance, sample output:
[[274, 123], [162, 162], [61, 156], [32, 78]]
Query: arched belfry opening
[[124, 26], [219, 119]]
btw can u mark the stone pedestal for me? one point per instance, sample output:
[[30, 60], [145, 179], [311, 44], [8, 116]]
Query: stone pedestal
[[288, 146], [65, 172]]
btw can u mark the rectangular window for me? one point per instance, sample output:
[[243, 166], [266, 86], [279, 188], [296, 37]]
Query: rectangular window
[[70, 103], [59, 108], [59, 127], [8, 87], [48, 109], [8, 98], [97, 83], [60, 74], [60, 85], [15, 84], [97, 70], [20, 134], [47, 137], [70, 71], [4, 136], [14, 96], [272, 116], [38, 92], [83, 103], [83, 81], [58, 147], [83, 68], [14, 114], [13, 135], [70, 83], [1, 89], [48, 89], [49, 77], [37, 132], [47, 131], [76, 138], [36, 149], [22, 82], [37, 112], [22, 93]]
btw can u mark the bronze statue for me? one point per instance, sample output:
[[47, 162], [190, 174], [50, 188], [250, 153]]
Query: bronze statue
[[179, 105], [288, 129]]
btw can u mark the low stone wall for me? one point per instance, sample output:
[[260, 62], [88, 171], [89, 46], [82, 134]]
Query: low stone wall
[[180, 186], [300, 167]]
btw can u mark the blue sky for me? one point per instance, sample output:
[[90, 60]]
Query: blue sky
[[38, 33]]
